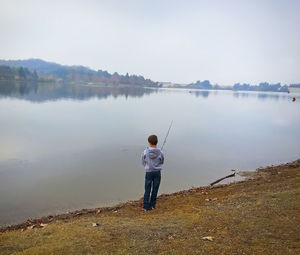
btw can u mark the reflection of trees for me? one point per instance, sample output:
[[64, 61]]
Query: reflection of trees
[[237, 95], [203, 93], [243, 95], [12, 88], [39, 92], [265, 96], [48, 91], [260, 96]]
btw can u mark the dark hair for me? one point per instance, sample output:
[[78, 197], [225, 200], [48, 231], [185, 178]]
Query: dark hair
[[152, 139]]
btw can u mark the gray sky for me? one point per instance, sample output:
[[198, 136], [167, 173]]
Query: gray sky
[[178, 41]]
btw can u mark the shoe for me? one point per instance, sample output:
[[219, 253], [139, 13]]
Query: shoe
[[143, 209]]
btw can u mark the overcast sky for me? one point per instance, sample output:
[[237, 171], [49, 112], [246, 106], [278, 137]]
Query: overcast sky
[[178, 41]]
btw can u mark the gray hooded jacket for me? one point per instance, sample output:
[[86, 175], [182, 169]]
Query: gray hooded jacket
[[152, 159]]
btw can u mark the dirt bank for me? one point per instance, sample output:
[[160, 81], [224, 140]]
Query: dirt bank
[[260, 215]]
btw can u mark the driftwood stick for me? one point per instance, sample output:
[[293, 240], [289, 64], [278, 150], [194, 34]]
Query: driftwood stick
[[221, 179]]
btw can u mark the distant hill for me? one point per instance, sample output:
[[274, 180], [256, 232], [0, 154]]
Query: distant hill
[[49, 71]]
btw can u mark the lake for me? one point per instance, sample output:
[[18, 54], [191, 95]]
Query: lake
[[66, 147]]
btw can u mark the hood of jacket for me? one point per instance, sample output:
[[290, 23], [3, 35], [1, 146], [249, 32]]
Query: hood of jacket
[[153, 152], [152, 159]]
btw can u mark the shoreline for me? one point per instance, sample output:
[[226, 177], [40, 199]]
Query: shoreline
[[65, 217], [259, 215]]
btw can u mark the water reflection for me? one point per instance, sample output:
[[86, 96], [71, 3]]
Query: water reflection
[[66, 154], [202, 93], [261, 95], [241, 94], [265, 96], [40, 92]]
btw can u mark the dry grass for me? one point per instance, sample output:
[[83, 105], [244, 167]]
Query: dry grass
[[258, 216]]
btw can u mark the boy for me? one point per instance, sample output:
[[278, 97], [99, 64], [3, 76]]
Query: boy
[[152, 159]]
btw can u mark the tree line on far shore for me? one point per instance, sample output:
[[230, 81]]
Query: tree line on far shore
[[45, 71], [17, 74], [263, 86]]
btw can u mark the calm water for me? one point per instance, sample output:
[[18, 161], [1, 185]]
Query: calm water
[[69, 147]]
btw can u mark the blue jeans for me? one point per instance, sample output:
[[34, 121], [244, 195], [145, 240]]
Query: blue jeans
[[152, 181]]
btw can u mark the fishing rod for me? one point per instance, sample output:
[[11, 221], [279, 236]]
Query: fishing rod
[[167, 135]]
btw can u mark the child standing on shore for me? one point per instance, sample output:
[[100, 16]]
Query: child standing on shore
[[152, 159]]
